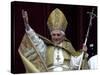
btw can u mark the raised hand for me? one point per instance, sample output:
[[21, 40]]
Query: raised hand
[[25, 18]]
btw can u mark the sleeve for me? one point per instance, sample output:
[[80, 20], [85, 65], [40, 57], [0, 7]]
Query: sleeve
[[75, 61], [39, 43]]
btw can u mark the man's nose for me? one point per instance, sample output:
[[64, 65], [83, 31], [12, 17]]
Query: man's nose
[[56, 36]]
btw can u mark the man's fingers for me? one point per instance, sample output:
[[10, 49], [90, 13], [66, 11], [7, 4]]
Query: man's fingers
[[85, 48], [26, 17], [26, 14]]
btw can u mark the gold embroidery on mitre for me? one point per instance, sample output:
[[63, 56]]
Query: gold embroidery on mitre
[[57, 20]]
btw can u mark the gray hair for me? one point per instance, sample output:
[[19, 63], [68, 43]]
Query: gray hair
[[62, 32]]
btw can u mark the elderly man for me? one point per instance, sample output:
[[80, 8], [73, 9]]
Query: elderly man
[[57, 54]]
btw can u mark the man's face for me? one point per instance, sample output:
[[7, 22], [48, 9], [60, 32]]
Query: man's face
[[57, 37]]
